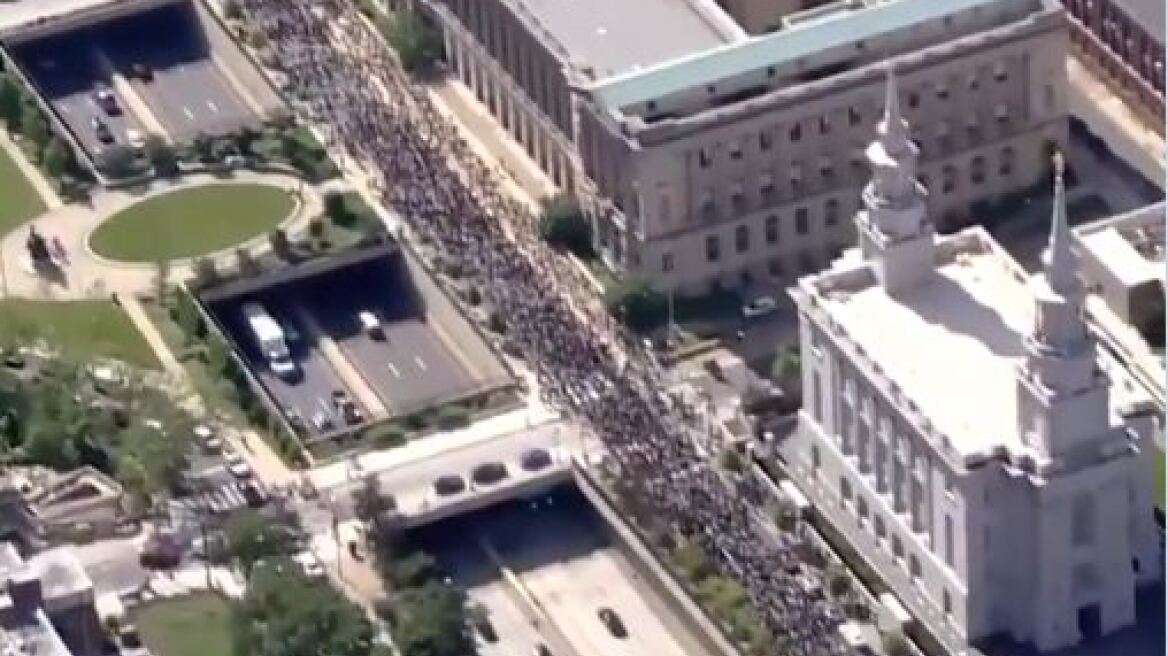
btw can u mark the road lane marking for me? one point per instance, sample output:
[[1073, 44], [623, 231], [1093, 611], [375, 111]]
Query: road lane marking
[[393, 370], [189, 113], [212, 105], [421, 364]]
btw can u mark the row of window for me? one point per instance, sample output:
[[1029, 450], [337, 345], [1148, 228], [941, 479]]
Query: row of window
[[854, 117], [831, 218]]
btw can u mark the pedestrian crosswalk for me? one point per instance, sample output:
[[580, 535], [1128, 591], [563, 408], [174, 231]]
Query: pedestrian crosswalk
[[221, 499]]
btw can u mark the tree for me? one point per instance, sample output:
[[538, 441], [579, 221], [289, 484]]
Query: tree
[[637, 304], [693, 562], [369, 501], [286, 614], [203, 148], [336, 208], [732, 460], [34, 128], [431, 621], [281, 245], [56, 158], [232, 11], [838, 581], [11, 103], [250, 538], [418, 43], [786, 514], [161, 155], [563, 225], [119, 161]]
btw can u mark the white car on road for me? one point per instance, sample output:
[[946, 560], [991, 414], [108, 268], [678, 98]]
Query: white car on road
[[761, 306], [237, 466]]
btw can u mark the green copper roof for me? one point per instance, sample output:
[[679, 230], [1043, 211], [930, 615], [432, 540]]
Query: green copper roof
[[866, 20]]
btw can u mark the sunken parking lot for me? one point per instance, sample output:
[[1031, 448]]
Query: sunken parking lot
[[353, 338]]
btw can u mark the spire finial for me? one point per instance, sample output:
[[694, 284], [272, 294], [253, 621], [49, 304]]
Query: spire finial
[[893, 128], [1060, 260]]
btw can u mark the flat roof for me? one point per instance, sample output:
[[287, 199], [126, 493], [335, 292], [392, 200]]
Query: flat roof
[[1131, 245], [1121, 257], [951, 344], [617, 36], [863, 20]]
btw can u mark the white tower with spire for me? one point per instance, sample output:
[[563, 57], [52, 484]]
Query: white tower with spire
[[893, 229], [1063, 397]]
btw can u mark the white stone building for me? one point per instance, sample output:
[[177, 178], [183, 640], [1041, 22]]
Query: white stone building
[[961, 428]]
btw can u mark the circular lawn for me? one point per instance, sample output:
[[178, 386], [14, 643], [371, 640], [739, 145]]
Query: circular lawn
[[191, 222]]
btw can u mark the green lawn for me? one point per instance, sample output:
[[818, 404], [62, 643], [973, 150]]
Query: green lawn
[[194, 625], [19, 201], [192, 222], [81, 329]]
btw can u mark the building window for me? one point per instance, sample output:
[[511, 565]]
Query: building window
[[914, 567], [709, 210], [862, 508], [824, 124], [947, 603], [704, 158], [897, 547], [1083, 520], [795, 133], [667, 262], [949, 540], [815, 460], [764, 141], [878, 527], [948, 179], [713, 248], [831, 212], [977, 170], [741, 239], [1000, 74], [735, 151], [1006, 162], [854, 116], [772, 229], [942, 91], [801, 220], [914, 100]]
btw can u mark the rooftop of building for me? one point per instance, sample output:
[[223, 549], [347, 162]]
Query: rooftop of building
[[613, 37], [1131, 245], [1149, 13], [824, 28], [952, 344]]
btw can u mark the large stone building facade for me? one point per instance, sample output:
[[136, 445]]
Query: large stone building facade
[[733, 158], [961, 429]]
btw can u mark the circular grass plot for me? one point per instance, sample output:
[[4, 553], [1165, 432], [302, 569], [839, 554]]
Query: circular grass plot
[[191, 222]]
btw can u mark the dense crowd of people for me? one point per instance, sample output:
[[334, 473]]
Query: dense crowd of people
[[344, 77]]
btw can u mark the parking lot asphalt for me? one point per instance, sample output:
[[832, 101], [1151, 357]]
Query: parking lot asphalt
[[65, 70], [308, 393], [188, 94], [410, 368]]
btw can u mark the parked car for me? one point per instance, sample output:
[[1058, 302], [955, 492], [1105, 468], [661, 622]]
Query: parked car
[[207, 439], [322, 421], [489, 473], [535, 459], [449, 484], [759, 307], [135, 139], [237, 466], [253, 494], [612, 622], [346, 408], [309, 564]]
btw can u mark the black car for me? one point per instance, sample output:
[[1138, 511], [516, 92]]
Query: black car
[[252, 494], [449, 484], [489, 473], [613, 622], [142, 72], [102, 131], [535, 459]]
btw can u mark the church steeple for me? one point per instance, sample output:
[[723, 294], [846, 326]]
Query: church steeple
[[1059, 259], [893, 230], [1063, 398]]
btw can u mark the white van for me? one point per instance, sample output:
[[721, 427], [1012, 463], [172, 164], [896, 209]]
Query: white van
[[371, 325]]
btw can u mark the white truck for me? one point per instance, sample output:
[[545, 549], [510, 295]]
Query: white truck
[[270, 338]]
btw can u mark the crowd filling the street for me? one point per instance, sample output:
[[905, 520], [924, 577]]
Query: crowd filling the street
[[345, 78]]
